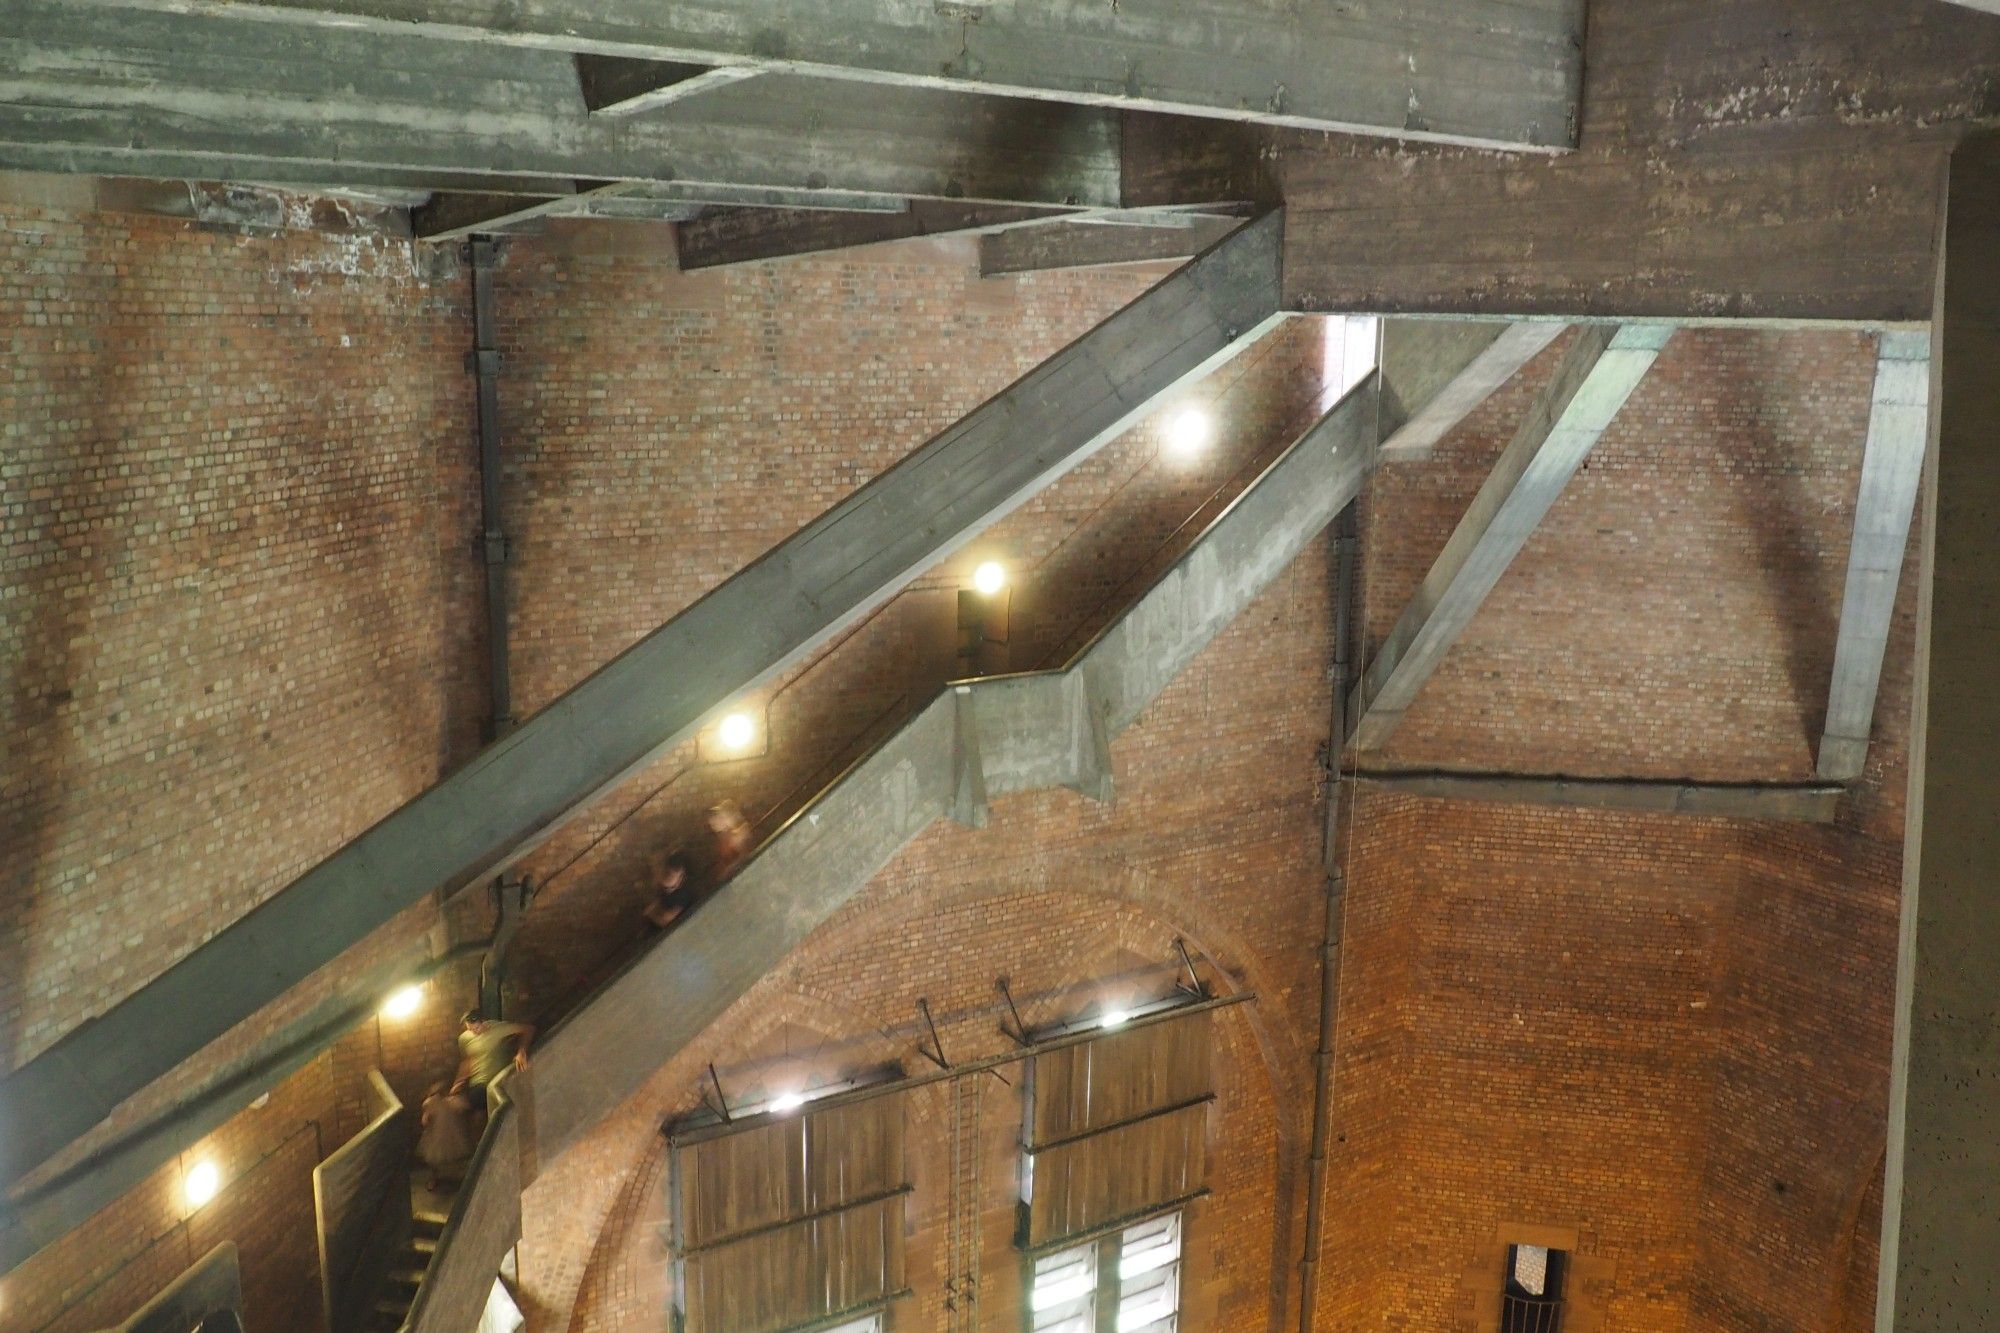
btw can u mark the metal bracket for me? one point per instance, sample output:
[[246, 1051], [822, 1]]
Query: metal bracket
[[496, 548], [721, 1106], [935, 1052], [1018, 1034], [483, 361], [1194, 984]]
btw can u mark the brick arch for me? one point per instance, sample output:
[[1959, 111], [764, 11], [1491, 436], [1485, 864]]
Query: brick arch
[[621, 1260], [1848, 1303], [1237, 967]]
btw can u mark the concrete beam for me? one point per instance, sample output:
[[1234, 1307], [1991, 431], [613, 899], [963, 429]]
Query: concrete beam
[[1023, 732], [1813, 803], [751, 236], [222, 97], [1891, 466], [1086, 244], [616, 86], [1435, 373], [1940, 1228], [661, 691], [1479, 72], [1597, 375]]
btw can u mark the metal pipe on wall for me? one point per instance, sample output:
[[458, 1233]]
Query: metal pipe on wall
[[1345, 544], [485, 366]]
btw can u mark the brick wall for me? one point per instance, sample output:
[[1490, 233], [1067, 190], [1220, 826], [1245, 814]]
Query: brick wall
[[724, 405], [228, 520], [669, 428], [221, 568], [1670, 1036], [1213, 837]]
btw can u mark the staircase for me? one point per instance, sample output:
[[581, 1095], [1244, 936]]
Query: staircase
[[392, 1311]]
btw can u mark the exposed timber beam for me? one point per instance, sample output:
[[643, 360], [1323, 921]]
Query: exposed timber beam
[[1892, 464], [1940, 1230], [618, 86], [1598, 373], [662, 690], [1813, 803], [1084, 244], [1435, 373], [1983, 6], [225, 98], [1493, 73], [977, 739]]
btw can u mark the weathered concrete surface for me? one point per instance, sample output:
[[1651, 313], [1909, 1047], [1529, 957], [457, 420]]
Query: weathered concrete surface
[[229, 98], [1598, 374], [1496, 72], [1940, 1215], [1892, 463], [1042, 729], [1760, 158], [662, 690]]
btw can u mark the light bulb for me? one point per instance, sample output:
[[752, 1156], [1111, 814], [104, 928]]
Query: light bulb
[[787, 1101], [1114, 1019], [737, 731], [203, 1180], [989, 578], [404, 1002], [1189, 431]]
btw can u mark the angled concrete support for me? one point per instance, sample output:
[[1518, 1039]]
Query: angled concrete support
[[662, 690], [1598, 373], [1067, 245], [1940, 1228], [616, 86], [1459, 71], [1028, 735], [750, 236], [1891, 466], [1436, 372]]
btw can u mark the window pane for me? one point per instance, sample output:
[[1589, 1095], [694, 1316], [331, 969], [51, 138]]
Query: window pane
[[866, 1324], [1149, 1276], [1531, 1268], [1149, 1245], [1063, 1297]]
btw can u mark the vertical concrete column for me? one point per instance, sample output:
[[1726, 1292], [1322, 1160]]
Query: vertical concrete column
[[1941, 1215]]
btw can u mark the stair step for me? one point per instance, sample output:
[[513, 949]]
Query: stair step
[[424, 1245], [425, 1217]]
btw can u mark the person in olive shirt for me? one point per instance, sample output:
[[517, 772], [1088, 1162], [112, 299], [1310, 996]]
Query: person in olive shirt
[[487, 1047]]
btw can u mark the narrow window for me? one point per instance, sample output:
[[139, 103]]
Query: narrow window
[[1063, 1297], [1532, 1299], [1149, 1276]]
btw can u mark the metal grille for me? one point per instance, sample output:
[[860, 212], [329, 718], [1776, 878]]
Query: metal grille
[[1530, 1314]]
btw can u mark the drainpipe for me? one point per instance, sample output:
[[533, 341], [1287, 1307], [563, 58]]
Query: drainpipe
[[484, 363], [1345, 543]]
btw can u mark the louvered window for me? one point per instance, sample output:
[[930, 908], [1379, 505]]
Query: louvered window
[[789, 1223]]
